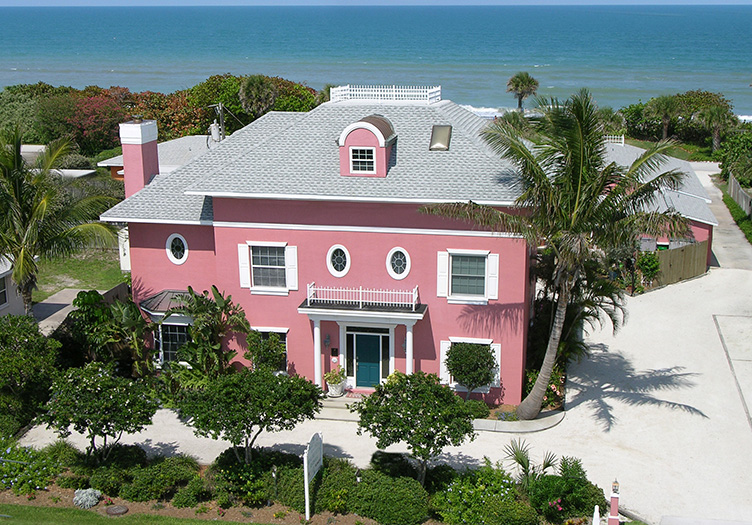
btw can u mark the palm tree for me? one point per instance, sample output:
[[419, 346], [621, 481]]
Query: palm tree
[[522, 85], [717, 119], [257, 94], [37, 218], [665, 107], [573, 201]]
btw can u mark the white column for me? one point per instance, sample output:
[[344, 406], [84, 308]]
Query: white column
[[409, 349], [317, 352]]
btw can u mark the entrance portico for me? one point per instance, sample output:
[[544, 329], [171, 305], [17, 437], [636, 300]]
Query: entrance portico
[[366, 333]]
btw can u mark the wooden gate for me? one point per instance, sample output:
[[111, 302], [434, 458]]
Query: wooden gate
[[682, 263]]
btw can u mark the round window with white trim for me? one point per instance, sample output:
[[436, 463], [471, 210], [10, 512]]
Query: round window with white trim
[[338, 260], [398, 263], [176, 248]]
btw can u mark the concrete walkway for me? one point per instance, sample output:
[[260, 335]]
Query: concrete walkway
[[53, 310], [662, 406]]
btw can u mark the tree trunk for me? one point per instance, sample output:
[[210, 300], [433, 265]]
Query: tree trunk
[[422, 472], [531, 405], [519, 102], [716, 139], [26, 295], [666, 122]]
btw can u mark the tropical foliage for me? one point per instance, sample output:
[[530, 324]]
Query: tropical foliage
[[576, 202], [522, 85], [418, 410], [38, 219], [472, 365], [238, 407]]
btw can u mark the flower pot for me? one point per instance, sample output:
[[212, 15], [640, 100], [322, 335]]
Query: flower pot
[[336, 390]]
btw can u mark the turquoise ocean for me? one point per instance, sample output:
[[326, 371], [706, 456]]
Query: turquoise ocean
[[623, 54]]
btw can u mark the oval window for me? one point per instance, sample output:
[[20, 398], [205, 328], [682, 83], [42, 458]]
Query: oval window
[[338, 260], [176, 248], [398, 263]]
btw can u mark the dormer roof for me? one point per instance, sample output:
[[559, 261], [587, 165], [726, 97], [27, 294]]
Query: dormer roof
[[379, 125]]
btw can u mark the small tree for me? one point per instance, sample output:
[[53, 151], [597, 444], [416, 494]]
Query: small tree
[[257, 94], [265, 351], [649, 264], [472, 365], [418, 410], [522, 85], [666, 108], [238, 407], [99, 404], [27, 365]]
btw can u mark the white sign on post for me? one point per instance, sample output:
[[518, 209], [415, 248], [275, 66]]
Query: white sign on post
[[313, 459]]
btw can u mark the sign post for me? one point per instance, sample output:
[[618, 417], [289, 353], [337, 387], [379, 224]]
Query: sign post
[[313, 459]]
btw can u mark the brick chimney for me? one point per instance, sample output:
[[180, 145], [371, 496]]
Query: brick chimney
[[140, 157]]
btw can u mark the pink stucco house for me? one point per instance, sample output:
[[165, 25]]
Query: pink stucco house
[[310, 221]]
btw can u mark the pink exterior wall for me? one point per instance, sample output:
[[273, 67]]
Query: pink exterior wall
[[143, 163], [213, 259], [365, 139]]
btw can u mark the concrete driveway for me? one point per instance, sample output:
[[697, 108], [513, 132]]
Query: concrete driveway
[[661, 406]]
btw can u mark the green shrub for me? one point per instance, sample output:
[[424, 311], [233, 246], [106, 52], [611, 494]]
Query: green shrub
[[234, 482], [554, 396], [192, 494], [558, 498], [390, 501], [290, 488], [74, 481], [500, 511], [161, 479], [439, 477], [743, 220], [478, 408], [337, 483], [74, 161], [63, 453], [466, 499], [28, 471], [109, 480], [394, 464], [126, 456]]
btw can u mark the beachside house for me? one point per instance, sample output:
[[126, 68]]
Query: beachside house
[[311, 222], [11, 302]]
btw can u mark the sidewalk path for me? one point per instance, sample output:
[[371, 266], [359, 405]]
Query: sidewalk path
[[53, 310]]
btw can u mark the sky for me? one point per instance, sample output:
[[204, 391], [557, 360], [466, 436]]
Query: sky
[[60, 3]]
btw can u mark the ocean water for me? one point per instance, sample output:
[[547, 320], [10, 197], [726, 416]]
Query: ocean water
[[623, 54]]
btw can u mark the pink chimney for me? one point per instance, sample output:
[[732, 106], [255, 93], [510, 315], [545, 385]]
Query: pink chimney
[[140, 157]]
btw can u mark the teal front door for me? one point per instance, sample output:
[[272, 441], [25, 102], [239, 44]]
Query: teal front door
[[368, 356]]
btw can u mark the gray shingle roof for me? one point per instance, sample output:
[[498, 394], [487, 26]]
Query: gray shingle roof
[[690, 199], [303, 160]]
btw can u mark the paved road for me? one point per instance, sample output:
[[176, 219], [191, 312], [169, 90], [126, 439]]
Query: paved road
[[661, 406]]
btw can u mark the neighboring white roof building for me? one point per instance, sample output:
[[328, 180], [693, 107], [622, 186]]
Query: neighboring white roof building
[[172, 154]]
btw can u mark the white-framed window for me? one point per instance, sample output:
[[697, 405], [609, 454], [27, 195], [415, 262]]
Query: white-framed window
[[338, 260], [170, 338], [269, 268], [3, 291], [398, 263], [467, 276], [176, 248], [362, 160], [447, 378]]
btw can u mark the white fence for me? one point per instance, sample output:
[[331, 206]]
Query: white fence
[[386, 93], [360, 297], [615, 139], [740, 196]]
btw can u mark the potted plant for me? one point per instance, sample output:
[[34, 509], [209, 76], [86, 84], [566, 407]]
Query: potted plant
[[335, 381]]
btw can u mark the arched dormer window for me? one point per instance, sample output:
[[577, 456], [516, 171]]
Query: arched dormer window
[[366, 146]]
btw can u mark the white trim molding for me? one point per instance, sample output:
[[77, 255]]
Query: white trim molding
[[390, 270], [330, 265], [168, 249]]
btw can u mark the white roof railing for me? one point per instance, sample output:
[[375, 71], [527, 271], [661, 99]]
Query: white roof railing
[[361, 297], [615, 139], [393, 93]]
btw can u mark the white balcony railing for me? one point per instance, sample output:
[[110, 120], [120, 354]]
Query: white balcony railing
[[428, 94], [361, 297], [615, 139]]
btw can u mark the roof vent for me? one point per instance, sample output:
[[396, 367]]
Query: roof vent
[[441, 136]]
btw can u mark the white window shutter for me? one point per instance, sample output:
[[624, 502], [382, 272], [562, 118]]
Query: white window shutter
[[444, 375], [442, 275], [496, 349], [244, 263], [492, 276], [291, 267]]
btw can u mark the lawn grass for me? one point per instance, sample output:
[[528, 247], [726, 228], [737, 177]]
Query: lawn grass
[[93, 269], [28, 515], [680, 150]]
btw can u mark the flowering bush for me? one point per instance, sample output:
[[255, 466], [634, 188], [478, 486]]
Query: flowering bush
[[469, 497], [25, 470], [554, 397]]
